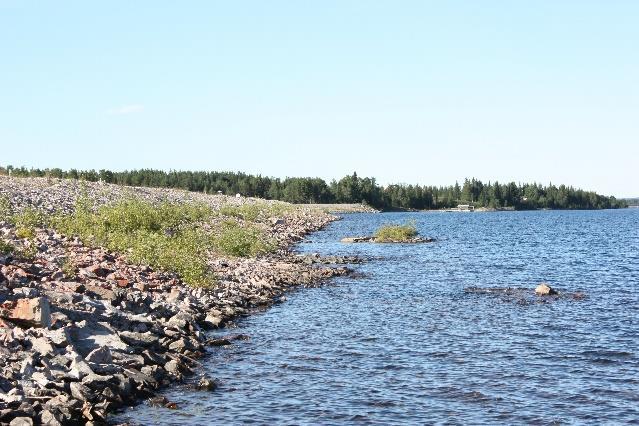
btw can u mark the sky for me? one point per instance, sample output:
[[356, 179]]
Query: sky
[[427, 92]]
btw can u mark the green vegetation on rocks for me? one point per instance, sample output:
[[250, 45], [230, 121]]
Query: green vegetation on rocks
[[396, 233], [165, 236], [234, 239], [6, 248], [170, 236]]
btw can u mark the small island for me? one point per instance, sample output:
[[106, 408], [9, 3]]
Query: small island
[[392, 233]]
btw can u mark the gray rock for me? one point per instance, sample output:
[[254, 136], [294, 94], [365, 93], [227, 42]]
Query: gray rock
[[79, 368], [100, 356], [47, 418], [173, 367], [81, 392], [59, 337], [21, 421], [206, 384], [98, 382], [42, 346], [139, 339]]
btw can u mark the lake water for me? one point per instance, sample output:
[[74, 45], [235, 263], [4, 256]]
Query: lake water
[[406, 343]]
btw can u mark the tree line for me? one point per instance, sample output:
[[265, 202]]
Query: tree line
[[349, 189]]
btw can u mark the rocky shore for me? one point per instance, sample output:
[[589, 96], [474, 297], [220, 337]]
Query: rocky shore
[[83, 331]]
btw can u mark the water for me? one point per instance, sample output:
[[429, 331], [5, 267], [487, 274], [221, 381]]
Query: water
[[406, 344]]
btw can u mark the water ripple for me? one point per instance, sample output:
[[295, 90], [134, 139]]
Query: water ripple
[[407, 343]]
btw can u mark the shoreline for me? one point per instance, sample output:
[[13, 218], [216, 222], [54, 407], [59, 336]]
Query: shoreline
[[76, 349]]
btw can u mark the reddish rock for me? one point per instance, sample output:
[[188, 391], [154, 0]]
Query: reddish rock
[[123, 283], [28, 312]]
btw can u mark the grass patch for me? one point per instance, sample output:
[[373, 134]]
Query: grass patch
[[255, 211], [165, 236], [394, 232]]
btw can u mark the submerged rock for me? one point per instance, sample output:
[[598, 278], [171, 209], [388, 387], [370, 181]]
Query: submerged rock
[[206, 384], [412, 240]]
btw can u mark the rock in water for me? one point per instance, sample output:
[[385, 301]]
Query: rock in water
[[544, 289], [206, 384]]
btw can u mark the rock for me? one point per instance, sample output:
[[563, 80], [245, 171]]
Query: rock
[[139, 339], [81, 392], [212, 320], [356, 239], [544, 289], [42, 346], [79, 368], [47, 418], [59, 337], [158, 401], [173, 367], [180, 345], [28, 312], [100, 356], [206, 384], [21, 421]]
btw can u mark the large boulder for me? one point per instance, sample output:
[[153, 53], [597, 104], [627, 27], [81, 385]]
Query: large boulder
[[28, 312]]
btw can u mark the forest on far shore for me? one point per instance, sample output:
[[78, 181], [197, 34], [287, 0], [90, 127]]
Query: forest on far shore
[[349, 189]]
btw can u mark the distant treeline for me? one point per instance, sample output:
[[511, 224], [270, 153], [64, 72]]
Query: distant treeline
[[349, 189]]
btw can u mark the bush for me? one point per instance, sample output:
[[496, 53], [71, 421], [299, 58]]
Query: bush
[[68, 268], [6, 248], [235, 240], [166, 236], [27, 221], [5, 209], [393, 232]]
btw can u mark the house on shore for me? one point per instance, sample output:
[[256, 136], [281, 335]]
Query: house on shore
[[465, 208]]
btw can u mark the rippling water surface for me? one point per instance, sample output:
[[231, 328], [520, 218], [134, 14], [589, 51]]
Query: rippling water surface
[[406, 344]]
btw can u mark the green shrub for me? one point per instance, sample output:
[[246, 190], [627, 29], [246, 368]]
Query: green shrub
[[235, 240], [165, 236], [27, 221], [24, 232], [394, 232], [28, 251], [68, 268], [5, 209], [6, 248]]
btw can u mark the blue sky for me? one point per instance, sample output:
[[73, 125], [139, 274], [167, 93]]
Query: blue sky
[[407, 91]]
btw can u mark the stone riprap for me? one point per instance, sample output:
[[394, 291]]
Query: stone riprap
[[83, 331]]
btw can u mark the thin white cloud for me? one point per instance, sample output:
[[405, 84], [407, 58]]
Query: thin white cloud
[[126, 109]]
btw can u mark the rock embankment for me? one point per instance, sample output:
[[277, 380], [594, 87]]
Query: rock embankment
[[84, 331]]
